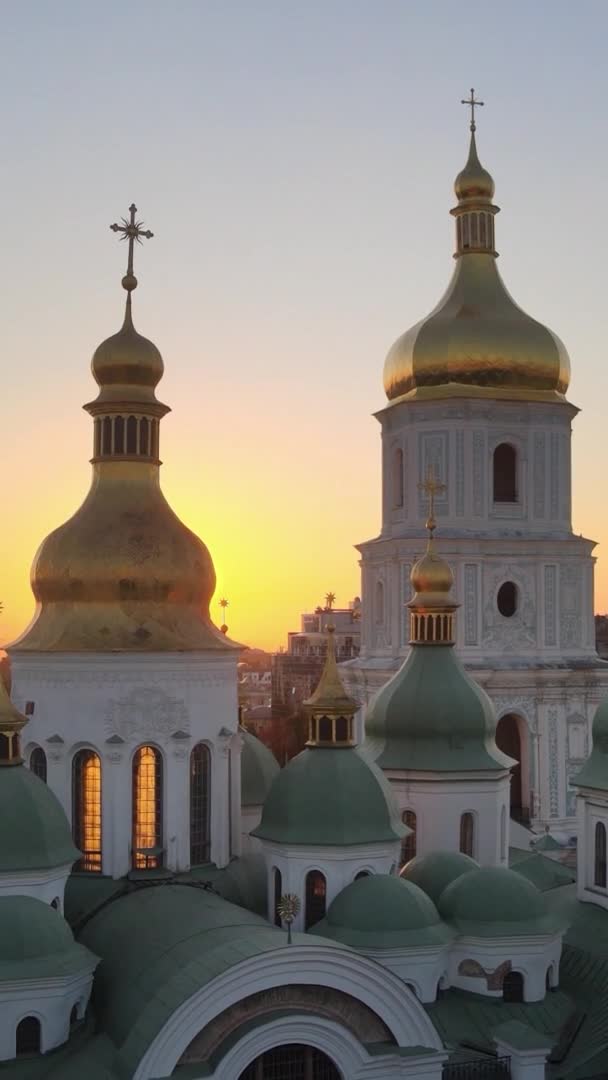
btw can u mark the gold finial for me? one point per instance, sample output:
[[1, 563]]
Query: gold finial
[[330, 709], [223, 604], [471, 102], [11, 723], [431, 487], [132, 231], [288, 908]]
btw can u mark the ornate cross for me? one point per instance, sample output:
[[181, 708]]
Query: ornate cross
[[471, 102], [431, 487], [132, 231]]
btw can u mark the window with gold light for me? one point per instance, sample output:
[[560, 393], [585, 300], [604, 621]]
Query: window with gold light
[[86, 809], [200, 770], [147, 843]]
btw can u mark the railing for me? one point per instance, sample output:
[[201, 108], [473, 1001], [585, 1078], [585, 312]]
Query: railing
[[490, 1068]]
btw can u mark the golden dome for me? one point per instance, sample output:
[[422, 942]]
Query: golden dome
[[126, 366], [124, 573], [477, 342], [431, 577]]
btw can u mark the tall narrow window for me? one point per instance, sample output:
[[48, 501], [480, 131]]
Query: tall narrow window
[[107, 436], [467, 834], [147, 837], [119, 435], [398, 477], [86, 809], [513, 986], [38, 762], [316, 897], [200, 772], [28, 1036], [408, 844], [505, 473], [97, 441], [278, 892], [143, 437], [154, 439], [131, 435], [379, 603], [599, 873]]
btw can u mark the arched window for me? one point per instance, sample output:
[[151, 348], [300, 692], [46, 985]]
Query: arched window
[[107, 436], [38, 762], [513, 986], [467, 834], [143, 437], [408, 844], [379, 603], [505, 473], [316, 896], [599, 870], [291, 1060], [86, 809], [147, 836], [131, 435], [278, 892], [27, 1039], [324, 729], [200, 804], [119, 435], [398, 477], [342, 729], [56, 903], [362, 874]]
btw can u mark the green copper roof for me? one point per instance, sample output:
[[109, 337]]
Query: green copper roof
[[258, 769], [160, 945], [496, 902], [432, 716], [433, 872], [594, 773], [543, 872], [35, 833], [36, 941], [330, 796], [383, 912]]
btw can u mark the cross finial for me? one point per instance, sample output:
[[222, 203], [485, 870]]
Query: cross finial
[[132, 231], [431, 487], [471, 102]]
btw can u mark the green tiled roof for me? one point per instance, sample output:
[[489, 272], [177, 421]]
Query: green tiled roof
[[383, 912], [543, 872], [36, 942], [330, 796], [435, 871], [35, 833], [496, 902], [159, 945], [432, 716], [258, 769]]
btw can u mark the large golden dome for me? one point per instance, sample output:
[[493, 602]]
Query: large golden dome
[[477, 342], [124, 573]]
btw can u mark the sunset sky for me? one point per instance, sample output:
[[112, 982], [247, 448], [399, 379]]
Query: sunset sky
[[295, 162]]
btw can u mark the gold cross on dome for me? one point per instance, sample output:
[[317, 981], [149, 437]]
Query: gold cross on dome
[[132, 231], [471, 102], [432, 487]]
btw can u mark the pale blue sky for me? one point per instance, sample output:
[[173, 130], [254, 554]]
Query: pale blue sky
[[295, 161]]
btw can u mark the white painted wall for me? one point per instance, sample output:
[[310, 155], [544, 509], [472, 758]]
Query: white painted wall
[[50, 1000], [532, 956], [45, 885], [592, 808]]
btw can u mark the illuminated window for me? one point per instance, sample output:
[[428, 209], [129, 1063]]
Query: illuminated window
[[316, 895], [147, 809], [200, 770], [467, 834], [86, 809], [599, 875], [28, 1036], [38, 762], [408, 844]]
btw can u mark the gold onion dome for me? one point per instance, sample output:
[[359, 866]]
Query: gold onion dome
[[124, 573], [477, 342], [11, 724], [330, 708]]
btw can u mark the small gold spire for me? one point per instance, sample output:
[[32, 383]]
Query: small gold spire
[[331, 710], [432, 607], [472, 103], [11, 723]]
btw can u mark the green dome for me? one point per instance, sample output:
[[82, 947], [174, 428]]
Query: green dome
[[258, 769], [36, 941], [434, 872], [432, 716], [594, 773], [495, 902], [382, 912], [330, 797], [35, 833]]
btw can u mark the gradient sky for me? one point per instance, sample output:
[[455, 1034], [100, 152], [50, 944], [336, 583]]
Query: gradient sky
[[295, 161]]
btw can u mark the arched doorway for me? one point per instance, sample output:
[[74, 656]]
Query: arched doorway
[[294, 1061], [512, 739]]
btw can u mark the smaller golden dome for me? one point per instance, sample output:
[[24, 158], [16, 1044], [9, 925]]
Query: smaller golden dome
[[11, 723], [474, 182], [431, 575], [127, 366]]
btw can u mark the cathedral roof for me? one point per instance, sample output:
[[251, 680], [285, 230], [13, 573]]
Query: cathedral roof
[[381, 911], [258, 769], [493, 901], [434, 871], [35, 833], [332, 796], [477, 342], [36, 942]]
